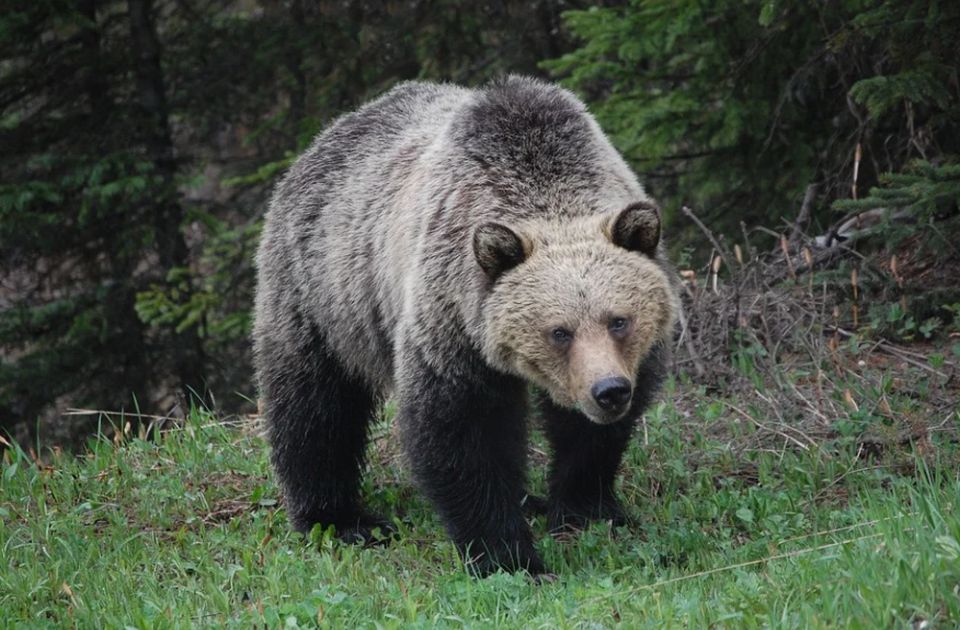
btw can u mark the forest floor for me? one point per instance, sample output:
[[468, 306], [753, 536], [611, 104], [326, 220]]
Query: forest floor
[[745, 527]]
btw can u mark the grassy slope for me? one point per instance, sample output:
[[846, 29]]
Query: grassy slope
[[186, 532]]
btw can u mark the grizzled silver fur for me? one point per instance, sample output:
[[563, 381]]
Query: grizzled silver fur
[[417, 249]]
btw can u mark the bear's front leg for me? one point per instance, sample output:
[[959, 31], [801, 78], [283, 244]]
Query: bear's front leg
[[465, 439], [586, 457]]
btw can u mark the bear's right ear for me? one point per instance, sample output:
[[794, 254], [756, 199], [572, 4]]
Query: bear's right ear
[[497, 249], [637, 228]]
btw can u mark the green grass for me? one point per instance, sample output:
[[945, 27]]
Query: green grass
[[186, 531]]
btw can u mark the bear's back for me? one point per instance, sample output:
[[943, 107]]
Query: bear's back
[[330, 220], [368, 134], [372, 224]]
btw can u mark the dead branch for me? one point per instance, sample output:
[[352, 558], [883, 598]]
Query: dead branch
[[806, 207], [706, 231]]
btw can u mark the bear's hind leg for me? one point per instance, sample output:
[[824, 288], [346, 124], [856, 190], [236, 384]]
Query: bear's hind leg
[[317, 417]]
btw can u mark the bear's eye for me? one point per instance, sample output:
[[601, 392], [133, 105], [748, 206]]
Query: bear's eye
[[618, 325], [561, 336]]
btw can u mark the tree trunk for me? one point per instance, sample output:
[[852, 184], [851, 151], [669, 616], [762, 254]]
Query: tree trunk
[[167, 213], [94, 83], [130, 375]]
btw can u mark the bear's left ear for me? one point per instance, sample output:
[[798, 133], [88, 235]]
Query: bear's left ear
[[497, 249], [637, 228]]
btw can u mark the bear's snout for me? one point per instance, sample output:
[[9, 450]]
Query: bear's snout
[[612, 393]]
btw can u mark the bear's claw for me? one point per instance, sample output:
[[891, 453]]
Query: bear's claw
[[564, 518], [484, 564], [368, 530]]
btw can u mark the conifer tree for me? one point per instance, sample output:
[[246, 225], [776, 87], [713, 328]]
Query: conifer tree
[[119, 282], [737, 107]]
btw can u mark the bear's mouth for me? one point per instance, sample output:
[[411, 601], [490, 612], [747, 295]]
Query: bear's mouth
[[600, 416]]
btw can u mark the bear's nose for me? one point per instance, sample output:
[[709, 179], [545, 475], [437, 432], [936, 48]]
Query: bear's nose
[[611, 393]]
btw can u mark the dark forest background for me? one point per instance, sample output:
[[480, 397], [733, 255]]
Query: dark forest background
[[139, 141]]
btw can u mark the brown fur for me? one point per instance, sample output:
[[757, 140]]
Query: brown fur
[[425, 247], [574, 277]]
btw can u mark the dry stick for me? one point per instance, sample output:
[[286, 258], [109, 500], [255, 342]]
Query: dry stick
[[772, 429], [122, 414], [751, 252], [241, 421], [749, 563], [698, 365], [724, 254], [806, 207], [785, 249], [808, 258], [706, 231], [885, 346], [855, 307], [856, 170], [911, 353], [767, 231], [844, 528], [822, 257], [810, 406], [844, 474]]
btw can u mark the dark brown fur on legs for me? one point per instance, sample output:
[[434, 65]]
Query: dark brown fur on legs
[[317, 417], [465, 441], [586, 456]]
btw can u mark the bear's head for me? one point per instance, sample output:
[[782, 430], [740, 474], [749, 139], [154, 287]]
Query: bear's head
[[575, 305]]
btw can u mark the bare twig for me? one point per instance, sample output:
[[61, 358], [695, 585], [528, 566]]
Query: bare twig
[[772, 429], [749, 563], [706, 231], [889, 348], [118, 414], [687, 339], [806, 207]]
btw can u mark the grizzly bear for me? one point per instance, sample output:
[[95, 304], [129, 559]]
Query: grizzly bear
[[455, 249]]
